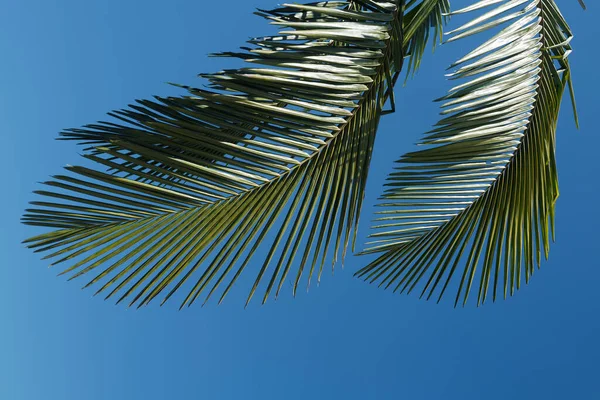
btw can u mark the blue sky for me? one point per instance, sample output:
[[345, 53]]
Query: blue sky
[[66, 62]]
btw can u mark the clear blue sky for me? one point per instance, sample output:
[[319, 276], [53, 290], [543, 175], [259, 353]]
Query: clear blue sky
[[65, 63]]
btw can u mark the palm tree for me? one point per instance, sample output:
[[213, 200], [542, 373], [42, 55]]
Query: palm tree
[[275, 155]]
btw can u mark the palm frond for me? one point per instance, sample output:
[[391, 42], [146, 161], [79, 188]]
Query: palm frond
[[477, 203], [420, 18], [192, 185]]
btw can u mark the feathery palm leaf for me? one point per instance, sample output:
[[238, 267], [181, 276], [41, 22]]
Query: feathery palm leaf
[[194, 183], [482, 192], [420, 18]]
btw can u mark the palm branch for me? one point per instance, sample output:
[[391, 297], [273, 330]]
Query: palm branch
[[475, 206], [188, 188]]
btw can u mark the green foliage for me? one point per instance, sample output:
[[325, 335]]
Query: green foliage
[[194, 183], [482, 191], [275, 156]]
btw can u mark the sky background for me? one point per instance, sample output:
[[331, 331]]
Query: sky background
[[65, 63]]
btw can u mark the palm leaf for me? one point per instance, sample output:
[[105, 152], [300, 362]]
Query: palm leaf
[[420, 18], [194, 184], [476, 205]]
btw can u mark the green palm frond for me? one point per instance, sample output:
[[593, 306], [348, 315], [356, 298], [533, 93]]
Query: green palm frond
[[477, 203], [188, 187], [420, 18]]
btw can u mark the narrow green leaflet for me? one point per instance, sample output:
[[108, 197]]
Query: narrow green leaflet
[[474, 209], [273, 156]]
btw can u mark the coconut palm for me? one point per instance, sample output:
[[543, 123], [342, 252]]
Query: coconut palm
[[275, 156]]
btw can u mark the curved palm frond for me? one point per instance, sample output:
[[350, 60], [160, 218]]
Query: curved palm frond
[[482, 192], [194, 183]]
